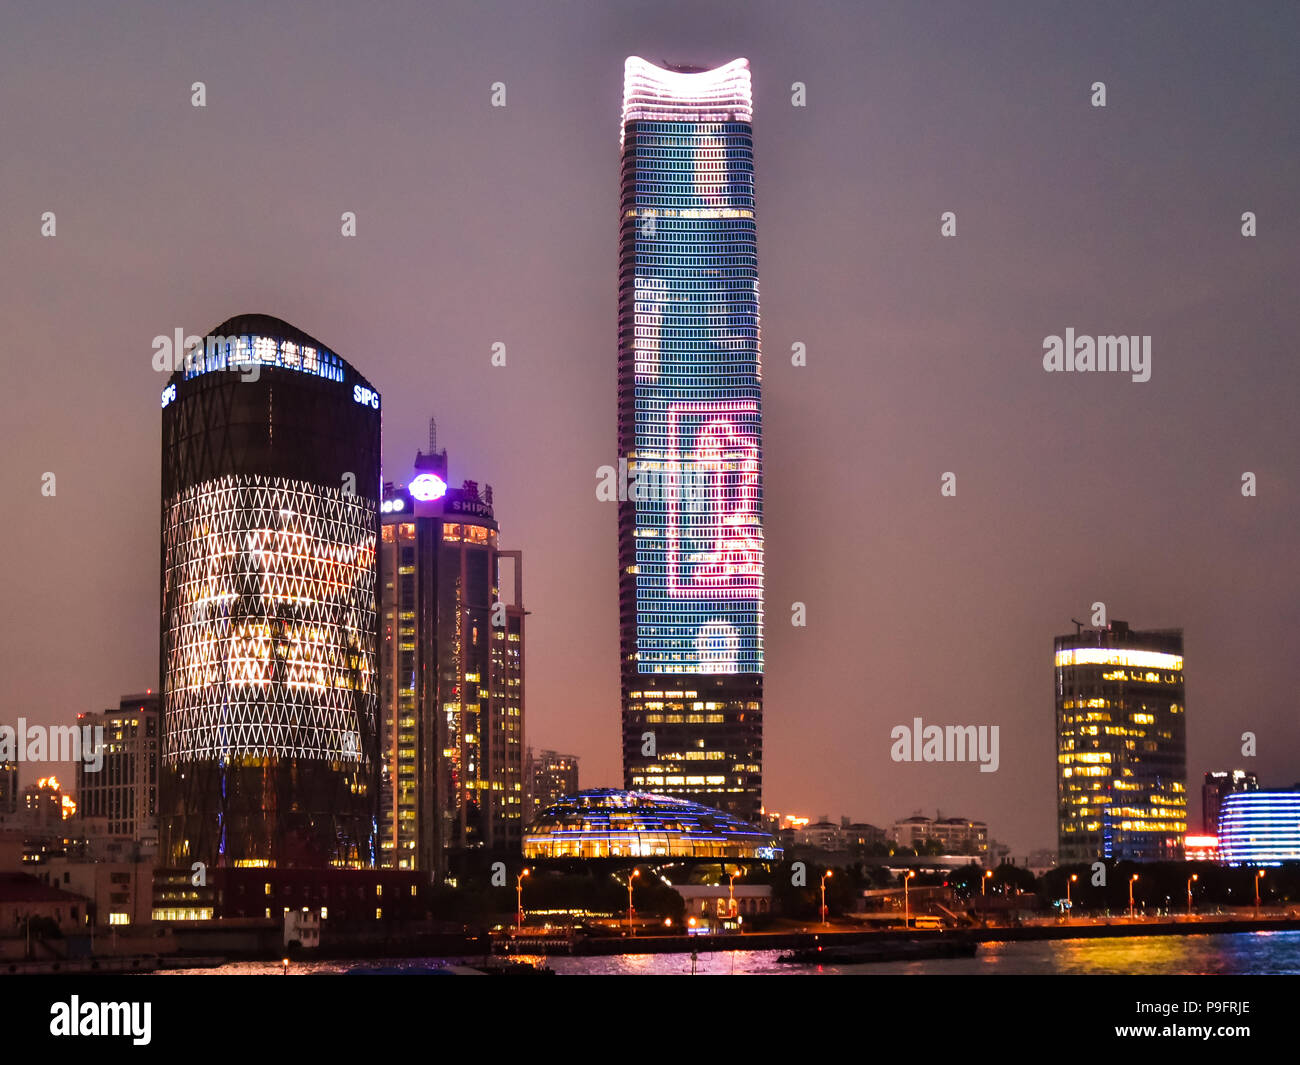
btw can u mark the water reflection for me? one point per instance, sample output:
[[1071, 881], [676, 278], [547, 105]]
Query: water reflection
[[1248, 954]]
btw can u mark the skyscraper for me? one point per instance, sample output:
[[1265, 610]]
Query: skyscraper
[[690, 432], [451, 668], [1120, 744], [270, 512]]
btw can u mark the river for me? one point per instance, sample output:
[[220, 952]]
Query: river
[[1238, 954]]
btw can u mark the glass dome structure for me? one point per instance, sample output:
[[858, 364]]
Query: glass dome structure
[[605, 823]]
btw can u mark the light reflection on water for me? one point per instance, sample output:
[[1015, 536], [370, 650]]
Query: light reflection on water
[[1249, 953]]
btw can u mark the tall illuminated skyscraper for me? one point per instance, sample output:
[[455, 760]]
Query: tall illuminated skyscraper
[[690, 432], [270, 514], [451, 623], [1121, 753]]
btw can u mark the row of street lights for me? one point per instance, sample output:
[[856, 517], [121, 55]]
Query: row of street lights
[[731, 897], [731, 894]]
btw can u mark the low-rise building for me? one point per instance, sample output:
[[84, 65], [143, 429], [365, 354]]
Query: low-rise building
[[24, 897], [715, 901], [119, 893]]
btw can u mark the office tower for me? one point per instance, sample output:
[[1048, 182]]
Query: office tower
[[452, 673], [1259, 827], [551, 776], [1219, 784], [270, 512], [121, 796], [690, 433], [1121, 744]]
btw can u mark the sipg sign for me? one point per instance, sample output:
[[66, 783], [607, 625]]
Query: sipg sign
[[367, 397]]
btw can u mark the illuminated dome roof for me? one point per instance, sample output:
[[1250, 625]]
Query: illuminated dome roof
[[603, 823]]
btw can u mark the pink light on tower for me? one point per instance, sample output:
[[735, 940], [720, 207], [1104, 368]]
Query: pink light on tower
[[718, 555]]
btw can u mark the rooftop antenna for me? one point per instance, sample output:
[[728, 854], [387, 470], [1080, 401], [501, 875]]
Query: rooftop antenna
[[433, 435]]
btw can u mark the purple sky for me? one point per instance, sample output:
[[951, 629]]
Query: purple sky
[[478, 225]]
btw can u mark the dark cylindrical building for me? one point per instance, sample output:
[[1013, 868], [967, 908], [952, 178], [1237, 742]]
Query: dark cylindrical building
[[270, 489]]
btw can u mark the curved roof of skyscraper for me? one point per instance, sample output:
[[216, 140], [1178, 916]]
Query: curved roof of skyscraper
[[272, 343]]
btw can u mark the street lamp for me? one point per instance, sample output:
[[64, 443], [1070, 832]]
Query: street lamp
[[907, 906], [825, 876], [731, 893], [635, 873], [1190, 880], [984, 880], [1131, 881], [1069, 902], [1258, 876], [519, 894]]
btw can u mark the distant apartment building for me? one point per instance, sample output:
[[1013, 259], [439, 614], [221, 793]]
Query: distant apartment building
[[1121, 755], [1218, 785], [44, 807], [551, 776], [858, 834], [120, 800], [822, 835], [954, 835]]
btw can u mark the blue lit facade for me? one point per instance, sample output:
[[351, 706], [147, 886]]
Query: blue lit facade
[[1259, 828], [690, 432]]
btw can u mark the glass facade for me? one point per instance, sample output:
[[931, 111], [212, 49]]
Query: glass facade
[[603, 823], [269, 528], [690, 432], [1121, 745]]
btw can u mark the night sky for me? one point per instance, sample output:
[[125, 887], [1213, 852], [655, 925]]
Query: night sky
[[479, 225]]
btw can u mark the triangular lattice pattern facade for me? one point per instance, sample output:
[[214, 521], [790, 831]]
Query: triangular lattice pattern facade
[[269, 621]]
